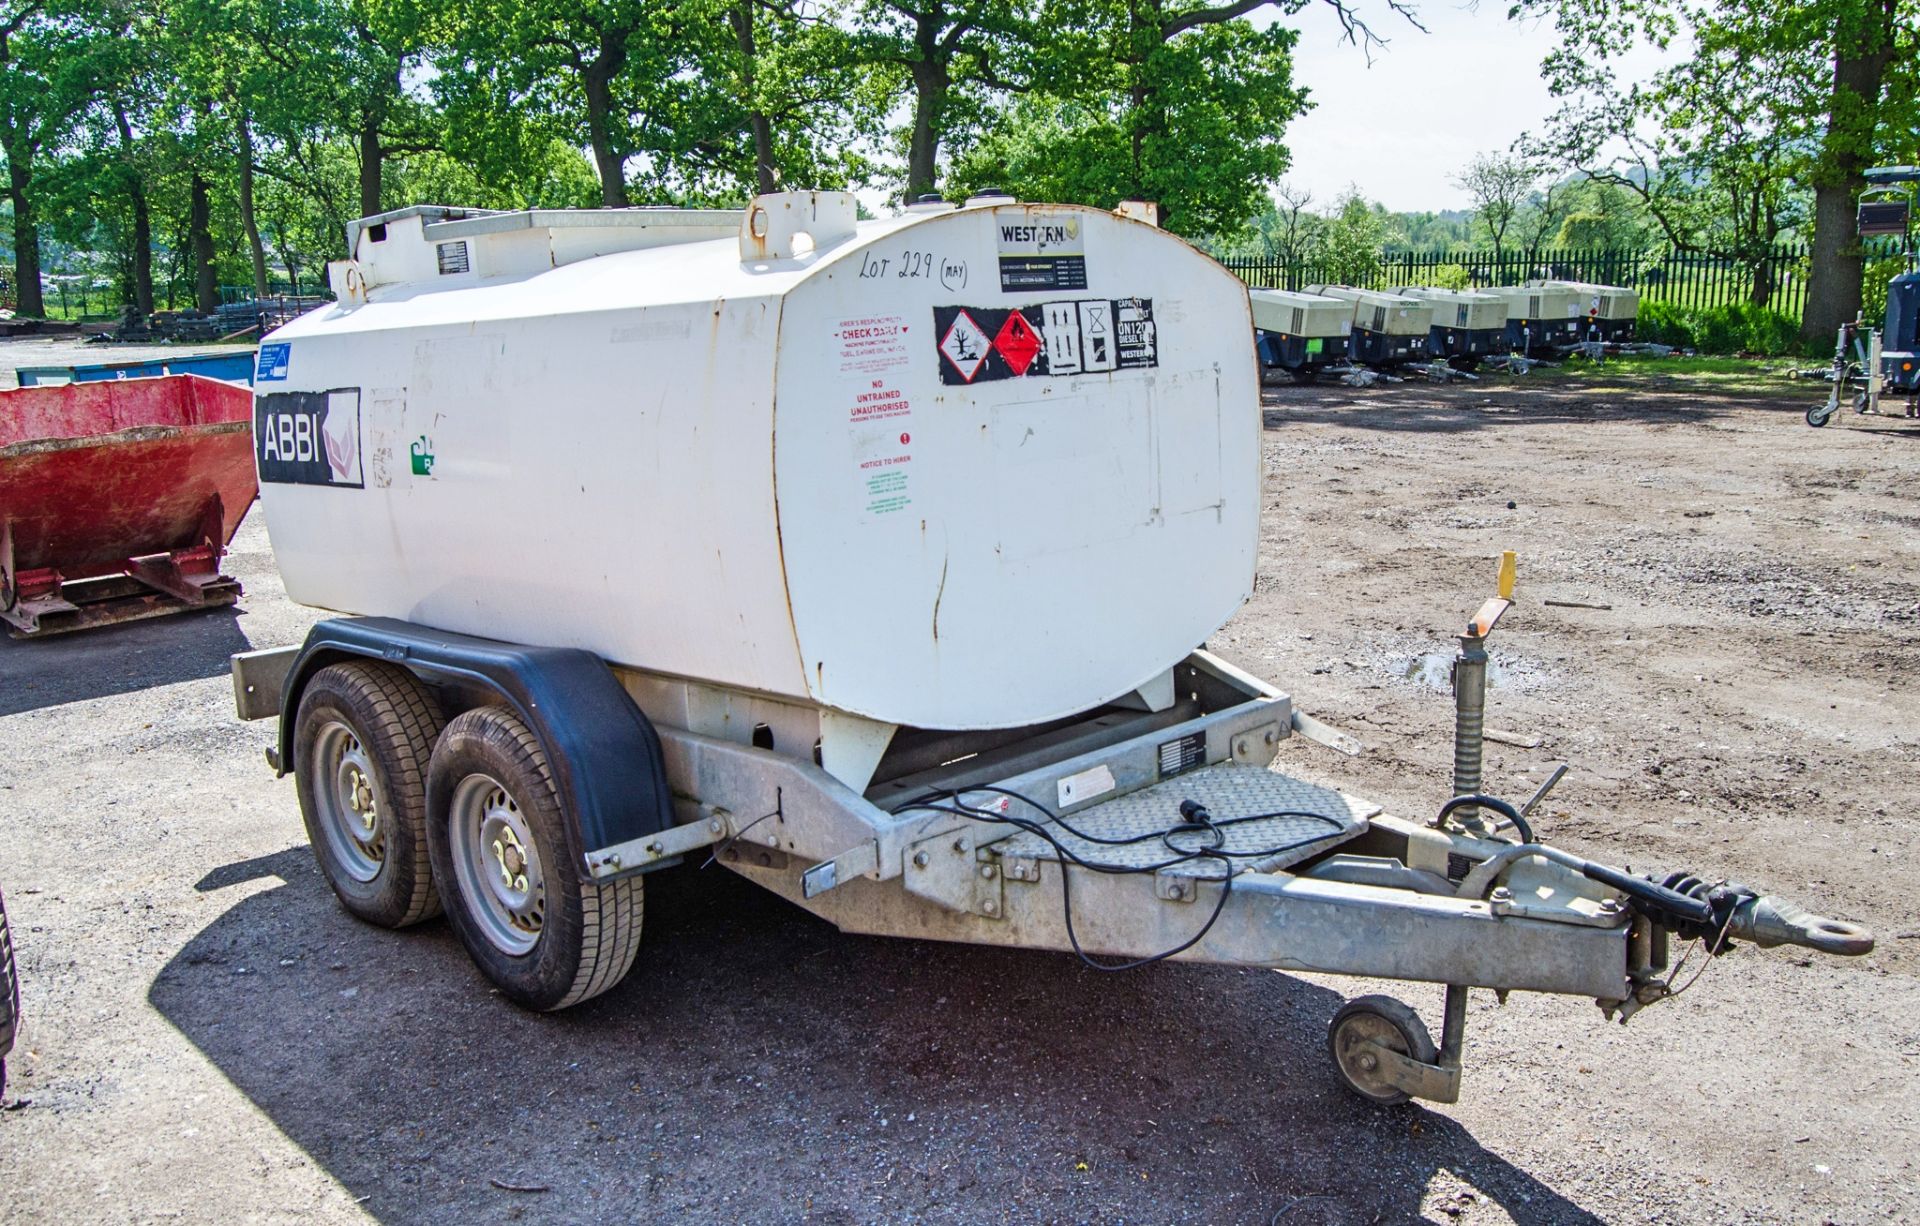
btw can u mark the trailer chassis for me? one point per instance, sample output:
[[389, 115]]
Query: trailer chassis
[[1149, 834]]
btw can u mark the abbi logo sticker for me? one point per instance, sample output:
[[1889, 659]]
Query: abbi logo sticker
[[309, 438]]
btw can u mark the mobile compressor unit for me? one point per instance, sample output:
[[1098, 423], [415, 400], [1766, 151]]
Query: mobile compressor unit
[[867, 559], [1541, 318], [1606, 312], [1466, 327], [1388, 329], [1300, 333]]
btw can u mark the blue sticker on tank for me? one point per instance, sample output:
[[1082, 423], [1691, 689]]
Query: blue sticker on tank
[[274, 361]]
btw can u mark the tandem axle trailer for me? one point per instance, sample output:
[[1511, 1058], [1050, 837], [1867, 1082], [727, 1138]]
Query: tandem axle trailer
[[880, 591], [531, 790]]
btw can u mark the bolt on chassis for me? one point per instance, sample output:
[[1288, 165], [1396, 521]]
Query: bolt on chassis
[[530, 790]]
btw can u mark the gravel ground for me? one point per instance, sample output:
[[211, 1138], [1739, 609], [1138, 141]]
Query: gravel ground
[[207, 1036]]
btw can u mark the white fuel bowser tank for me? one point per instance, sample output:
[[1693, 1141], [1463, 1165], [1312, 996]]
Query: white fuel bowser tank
[[965, 468]]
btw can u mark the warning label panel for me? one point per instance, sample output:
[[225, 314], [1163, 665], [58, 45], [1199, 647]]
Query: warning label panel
[[871, 345], [1069, 337], [880, 425], [1042, 252]]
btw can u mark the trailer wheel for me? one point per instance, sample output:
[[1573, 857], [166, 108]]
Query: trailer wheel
[[1385, 1021], [516, 896], [361, 744], [1818, 415], [1305, 375]]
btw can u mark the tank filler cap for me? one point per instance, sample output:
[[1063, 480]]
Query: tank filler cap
[[990, 195], [931, 202]]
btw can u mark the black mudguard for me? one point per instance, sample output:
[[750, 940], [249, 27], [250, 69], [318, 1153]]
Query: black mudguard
[[604, 752]]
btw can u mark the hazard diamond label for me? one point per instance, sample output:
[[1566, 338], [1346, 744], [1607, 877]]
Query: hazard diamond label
[[1068, 337], [1017, 343], [965, 346]]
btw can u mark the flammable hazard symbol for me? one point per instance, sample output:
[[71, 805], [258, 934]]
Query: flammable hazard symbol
[[1017, 343], [965, 346]]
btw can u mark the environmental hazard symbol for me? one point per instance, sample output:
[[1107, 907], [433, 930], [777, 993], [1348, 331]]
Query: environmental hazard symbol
[[1017, 342], [965, 345]]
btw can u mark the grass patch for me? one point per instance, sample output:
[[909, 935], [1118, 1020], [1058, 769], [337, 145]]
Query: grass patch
[[1705, 374]]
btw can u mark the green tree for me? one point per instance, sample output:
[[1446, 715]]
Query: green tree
[[1499, 186], [1351, 240], [1704, 147], [947, 53], [1780, 97], [627, 79], [47, 79], [1161, 100]]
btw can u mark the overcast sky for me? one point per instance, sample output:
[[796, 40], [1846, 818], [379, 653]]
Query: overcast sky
[[1431, 101]]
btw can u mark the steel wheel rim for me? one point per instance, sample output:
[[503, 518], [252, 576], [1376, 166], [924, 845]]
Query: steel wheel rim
[[498, 864], [1355, 1057], [352, 814]]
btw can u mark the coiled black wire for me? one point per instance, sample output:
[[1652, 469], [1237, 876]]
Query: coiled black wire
[[1195, 819], [1483, 801]]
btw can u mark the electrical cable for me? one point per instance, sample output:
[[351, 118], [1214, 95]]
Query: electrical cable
[[1195, 820], [1482, 801]]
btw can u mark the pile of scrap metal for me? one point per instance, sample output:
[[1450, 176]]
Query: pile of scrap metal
[[230, 321]]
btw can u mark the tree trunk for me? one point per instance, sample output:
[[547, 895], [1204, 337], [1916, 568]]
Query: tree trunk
[[287, 260], [758, 125], [372, 157], [206, 286], [142, 218], [26, 235], [597, 83], [249, 222], [1835, 274], [923, 153]]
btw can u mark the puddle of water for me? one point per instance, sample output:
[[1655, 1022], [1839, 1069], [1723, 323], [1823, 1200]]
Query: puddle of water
[[1435, 671]]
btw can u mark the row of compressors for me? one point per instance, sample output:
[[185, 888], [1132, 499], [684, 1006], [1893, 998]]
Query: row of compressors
[[1305, 332]]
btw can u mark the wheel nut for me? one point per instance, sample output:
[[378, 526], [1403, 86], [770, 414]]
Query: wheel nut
[[1369, 1061]]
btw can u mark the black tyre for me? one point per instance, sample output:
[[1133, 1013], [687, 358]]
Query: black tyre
[[361, 743], [504, 854], [9, 995], [1305, 375], [1818, 416], [1364, 1021]]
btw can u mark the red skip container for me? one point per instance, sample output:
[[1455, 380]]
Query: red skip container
[[117, 499]]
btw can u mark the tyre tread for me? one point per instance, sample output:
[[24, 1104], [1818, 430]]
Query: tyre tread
[[408, 722], [611, 914]]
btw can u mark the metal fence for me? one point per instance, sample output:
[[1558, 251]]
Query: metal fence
[[1685, 280]]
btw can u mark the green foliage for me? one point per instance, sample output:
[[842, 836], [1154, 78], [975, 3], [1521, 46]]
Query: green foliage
[[1739, 328], [1351, 243], [1451, 276], [169, 147], [1143, 104], [1765, 127]]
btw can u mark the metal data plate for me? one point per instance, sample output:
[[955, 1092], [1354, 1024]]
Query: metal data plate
[[1310, 819]]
